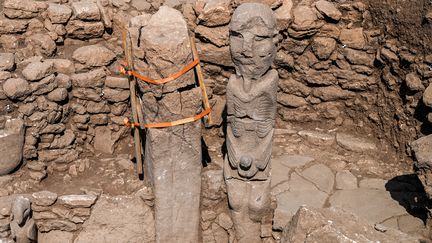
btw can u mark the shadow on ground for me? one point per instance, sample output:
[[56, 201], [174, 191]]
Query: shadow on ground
[[408, 191]]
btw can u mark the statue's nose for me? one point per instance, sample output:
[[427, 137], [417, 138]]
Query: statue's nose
[[245, 162], [247, 47]]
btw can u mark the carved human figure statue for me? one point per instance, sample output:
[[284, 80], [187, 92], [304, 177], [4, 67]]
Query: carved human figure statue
[[251, 109]]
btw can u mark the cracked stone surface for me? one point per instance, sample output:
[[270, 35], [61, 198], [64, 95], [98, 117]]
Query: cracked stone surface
[[347, 175]]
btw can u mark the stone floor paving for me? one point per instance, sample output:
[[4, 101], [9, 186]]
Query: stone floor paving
[[330, 169]]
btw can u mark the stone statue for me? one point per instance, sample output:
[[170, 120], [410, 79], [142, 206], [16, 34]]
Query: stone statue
[[22, 226], [251, 106]]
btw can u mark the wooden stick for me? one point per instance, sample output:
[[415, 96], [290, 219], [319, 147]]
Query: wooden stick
[[134, 104], [201, 79]]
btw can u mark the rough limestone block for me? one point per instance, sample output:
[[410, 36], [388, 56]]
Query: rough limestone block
[[11, 145]]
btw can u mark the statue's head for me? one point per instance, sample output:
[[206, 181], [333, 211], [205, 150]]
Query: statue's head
[[253, 39]]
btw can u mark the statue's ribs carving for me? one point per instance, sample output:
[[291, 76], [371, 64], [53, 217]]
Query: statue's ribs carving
[[261, 108], [239, 126]]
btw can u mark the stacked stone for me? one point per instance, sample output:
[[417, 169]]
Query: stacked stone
[[5, 231], [65, 213], [100, 100], [216, 224]]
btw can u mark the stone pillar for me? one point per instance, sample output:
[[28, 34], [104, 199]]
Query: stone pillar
[[251, 110], [173, 154]]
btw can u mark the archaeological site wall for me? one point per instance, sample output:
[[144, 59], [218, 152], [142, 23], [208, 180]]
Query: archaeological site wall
[[59, 73]]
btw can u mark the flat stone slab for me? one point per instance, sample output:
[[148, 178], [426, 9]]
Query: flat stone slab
[[373, 183], [44, 198], [317, 138], [345, 180], [77, 201], [293, 161], [120, 219], [373, 205], [354, 144], [279, 172], [321, 176], [289, 202]]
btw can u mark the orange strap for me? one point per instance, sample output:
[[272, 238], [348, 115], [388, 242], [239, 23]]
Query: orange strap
[[164, 80], [167, 124], [124, 69]]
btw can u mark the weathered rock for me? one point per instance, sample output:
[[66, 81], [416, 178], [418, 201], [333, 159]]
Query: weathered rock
[[44, 86], [63, 141], [62, 66], [129, 220], [93, 56], [9, 26], [83, 30], [423, 156], [328, 9], [91, 79], [212, 54], [323, 47], [56, 224], [214, 12], [317, 138], [115, 95], [116, 82], [331, 225], [86, 10], [105, 140], [332, 93], [304, 18], [321, 176], [37, 70], [216, 35], [353, 38], [23, 9], [345, 180], [7, 61], [97, 107], [77, 201], [16, 88], [42, 43], [427, 96], [11, 145], [87, 94], [291, 86], [357, 57], [59, 13], [44, 198], [291, 100], [56, 236], [413, 82], [58, 95], [283, 14], [355, 144], [389, 55]]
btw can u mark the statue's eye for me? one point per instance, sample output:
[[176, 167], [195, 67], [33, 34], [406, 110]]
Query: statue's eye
[[236, 34]]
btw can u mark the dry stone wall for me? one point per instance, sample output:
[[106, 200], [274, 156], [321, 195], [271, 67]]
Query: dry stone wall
[[59, 62]]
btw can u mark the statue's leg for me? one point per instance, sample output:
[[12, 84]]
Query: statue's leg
[[247, 230]]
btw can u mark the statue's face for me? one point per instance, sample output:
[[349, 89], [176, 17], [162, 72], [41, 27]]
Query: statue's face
[[252, 47]]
